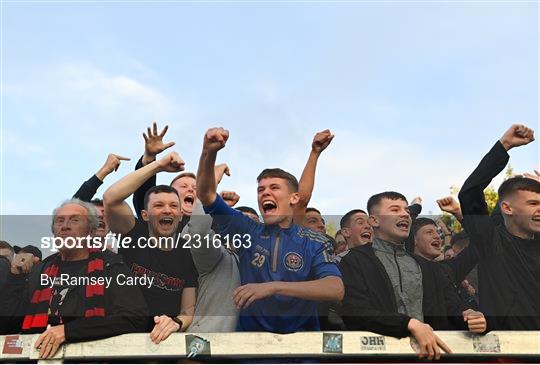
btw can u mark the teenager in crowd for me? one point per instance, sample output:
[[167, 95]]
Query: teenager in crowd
[[286, 268], [390, 292], [509, 253]]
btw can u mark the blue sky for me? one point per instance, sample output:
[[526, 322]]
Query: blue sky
[[415, 92]]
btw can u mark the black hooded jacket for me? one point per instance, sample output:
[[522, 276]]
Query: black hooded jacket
[[370, 304]]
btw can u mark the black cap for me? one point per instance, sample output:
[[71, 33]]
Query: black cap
[[29, 249]]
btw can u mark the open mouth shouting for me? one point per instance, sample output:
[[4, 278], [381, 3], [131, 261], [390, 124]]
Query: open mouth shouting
[[269, 207], [366, 235], [403, 225], [188, 202], [436, 244], [166, 223]]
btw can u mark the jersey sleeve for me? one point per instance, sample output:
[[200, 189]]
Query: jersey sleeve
[[322, 264], [228, 220]]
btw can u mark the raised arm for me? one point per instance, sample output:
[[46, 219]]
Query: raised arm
[[476, 221], [214, 140], [307, 180], [117, 212], [450, 205], [153, 145], [88, 188]]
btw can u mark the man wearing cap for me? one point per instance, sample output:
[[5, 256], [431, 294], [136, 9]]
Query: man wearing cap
[[28, 249]]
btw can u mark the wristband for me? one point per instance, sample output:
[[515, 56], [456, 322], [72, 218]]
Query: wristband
[[179, 321]]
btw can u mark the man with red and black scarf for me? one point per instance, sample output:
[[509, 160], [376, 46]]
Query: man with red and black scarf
[[73, 295]]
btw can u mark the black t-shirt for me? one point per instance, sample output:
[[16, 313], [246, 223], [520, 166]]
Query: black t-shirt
[[74, 269], [172, 270]]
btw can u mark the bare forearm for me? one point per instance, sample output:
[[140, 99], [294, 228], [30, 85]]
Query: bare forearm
[[307, 180], [206, 180], [126, 186], [187, 310], [102, 174], [328, 288]]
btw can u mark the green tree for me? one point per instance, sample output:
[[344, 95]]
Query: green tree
[[509, 172], [331, 228]]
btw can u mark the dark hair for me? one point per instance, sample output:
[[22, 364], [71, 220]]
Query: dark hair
[[346, 219], [183, 174], [282, 174], [159, 189], [518, 183], [247, 210], [377, 198], [421, 222], [311, 209], [4, 244], [97, 202]]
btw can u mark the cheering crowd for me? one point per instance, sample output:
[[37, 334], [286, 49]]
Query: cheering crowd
[[222, 268]]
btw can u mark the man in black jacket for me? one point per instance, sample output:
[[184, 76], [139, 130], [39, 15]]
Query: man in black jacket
[[509, 253], [390, 292], [77, 294]]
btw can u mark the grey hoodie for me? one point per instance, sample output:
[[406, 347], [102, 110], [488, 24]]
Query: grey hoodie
[[219, 277]]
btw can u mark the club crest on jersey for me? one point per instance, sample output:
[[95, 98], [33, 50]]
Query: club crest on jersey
[[293, 261]]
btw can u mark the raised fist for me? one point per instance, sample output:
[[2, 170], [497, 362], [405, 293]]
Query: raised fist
[[215, 139], [517, 135], [417, 200], [449, 205], [230, 197], [172, 162], [321, 141]]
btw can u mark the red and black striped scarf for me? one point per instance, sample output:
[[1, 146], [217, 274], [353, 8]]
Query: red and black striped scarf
[[37, 316]]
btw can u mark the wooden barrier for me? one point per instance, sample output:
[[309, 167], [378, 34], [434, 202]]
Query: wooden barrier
[[268, 345]]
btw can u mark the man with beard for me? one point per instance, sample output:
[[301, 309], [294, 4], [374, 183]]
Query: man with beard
[[73, 295], [171, 297], [390, 292], [285, 268], [509, 253]]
